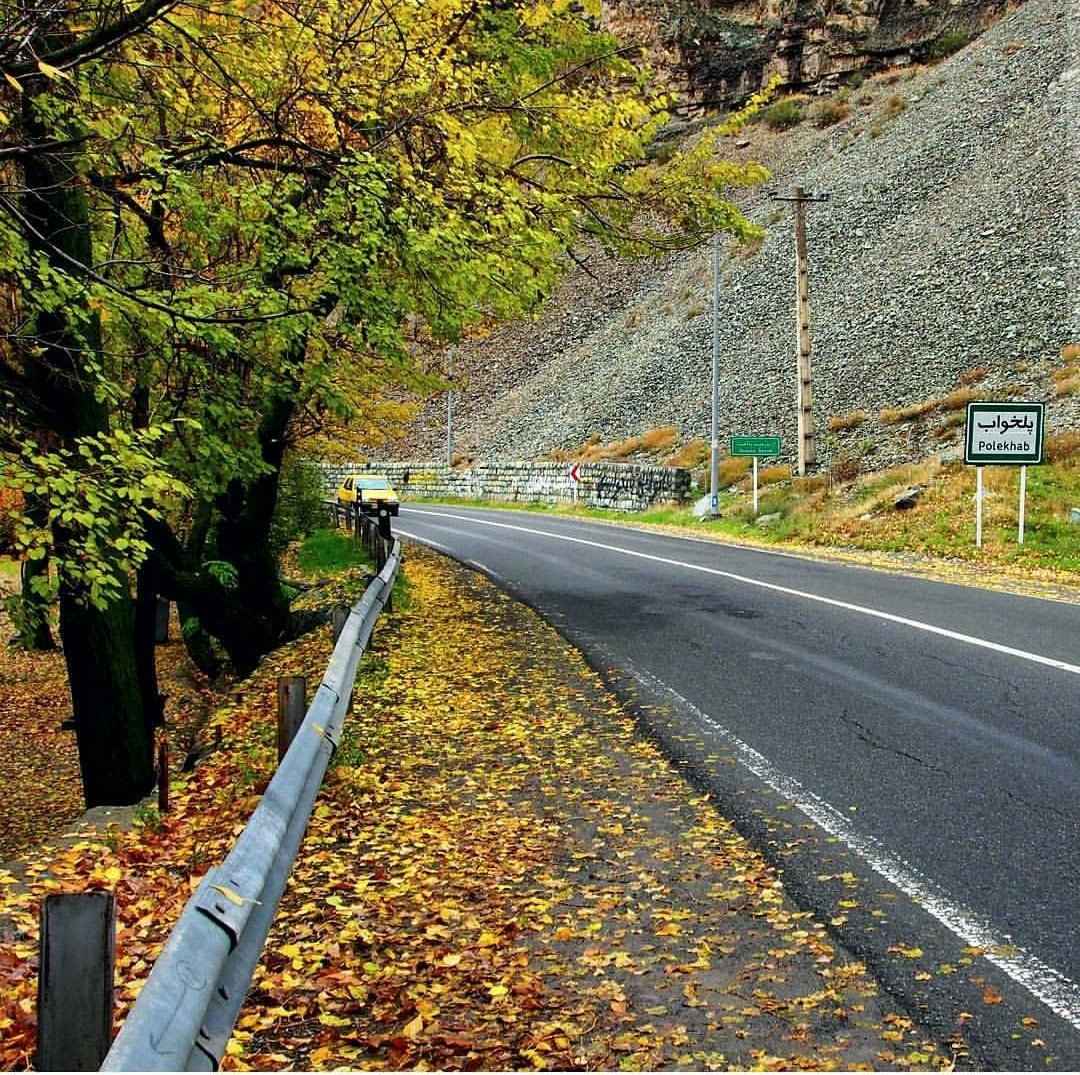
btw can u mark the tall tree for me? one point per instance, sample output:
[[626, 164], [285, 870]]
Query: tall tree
[[231, 224]]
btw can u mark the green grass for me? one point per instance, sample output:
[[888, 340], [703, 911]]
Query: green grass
[[942, 524], [326, 552]]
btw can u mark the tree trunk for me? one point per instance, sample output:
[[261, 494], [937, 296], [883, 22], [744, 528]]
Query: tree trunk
[[247, 511], [115, 754], [115, 748], [246, 635]]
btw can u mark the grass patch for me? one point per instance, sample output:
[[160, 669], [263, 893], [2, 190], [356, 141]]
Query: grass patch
[[651, 442], [959, 398], [690, 455], [946, 44], [847, 421], [830, 111], [894, 105], [328, 551], [971, 376], [784, 114], [890, 416]]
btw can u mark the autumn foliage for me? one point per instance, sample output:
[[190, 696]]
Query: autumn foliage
[[499, 874]]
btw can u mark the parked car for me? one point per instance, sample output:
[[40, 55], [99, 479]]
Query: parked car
[[369, 492]]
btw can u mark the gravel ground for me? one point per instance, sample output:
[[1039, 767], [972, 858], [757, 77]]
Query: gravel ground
[[951, 240]]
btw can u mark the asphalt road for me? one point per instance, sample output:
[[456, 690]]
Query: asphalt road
[[919, 735]]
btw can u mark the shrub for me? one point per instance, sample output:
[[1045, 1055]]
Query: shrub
[[732, 468], [946, 44], [949, 425], [846, 469], [958, 399], [299, 508], [659, 440], [847, 421], [693, 454], [812, 484], [894, 106], [828, 112], [1067, 377], [785, 113]]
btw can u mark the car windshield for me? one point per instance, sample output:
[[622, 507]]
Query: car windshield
[[372, 483]]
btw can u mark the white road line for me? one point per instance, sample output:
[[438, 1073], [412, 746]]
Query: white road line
[[918, 625], [1059, 993]]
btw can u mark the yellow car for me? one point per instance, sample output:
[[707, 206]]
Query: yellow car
[[370, 492]]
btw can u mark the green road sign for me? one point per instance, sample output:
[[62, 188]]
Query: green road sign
[[756, 446], [1004, 432]]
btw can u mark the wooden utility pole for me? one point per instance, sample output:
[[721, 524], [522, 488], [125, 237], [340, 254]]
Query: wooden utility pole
[[805, 397]]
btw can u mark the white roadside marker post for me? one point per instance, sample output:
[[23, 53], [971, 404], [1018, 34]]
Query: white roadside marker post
[[978, 507], [1023, 501]]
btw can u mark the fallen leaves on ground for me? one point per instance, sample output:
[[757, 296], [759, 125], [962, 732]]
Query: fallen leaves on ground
[[498, 874], [39, 761]]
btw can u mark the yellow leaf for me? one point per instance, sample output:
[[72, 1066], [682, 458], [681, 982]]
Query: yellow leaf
[[289, 951], [487, 940], [113, 874], [14, 82], [232, 896], [413, 1027], [333, 1020], [498, 990], [51, 72], [451, 959]]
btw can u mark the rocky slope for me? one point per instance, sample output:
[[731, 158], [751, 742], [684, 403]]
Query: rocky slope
[[950, 241]]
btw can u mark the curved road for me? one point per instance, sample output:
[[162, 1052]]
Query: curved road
[[917, 734]]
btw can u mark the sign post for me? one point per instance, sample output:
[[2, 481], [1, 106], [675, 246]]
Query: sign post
[[575, 478], [755, 447], [1003, 434]]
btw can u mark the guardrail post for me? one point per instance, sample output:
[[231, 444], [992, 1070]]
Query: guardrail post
[[338, 615], [292, 705], [163, 774], [75, 983]]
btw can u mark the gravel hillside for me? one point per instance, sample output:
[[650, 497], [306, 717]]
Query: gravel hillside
[[951, 240]]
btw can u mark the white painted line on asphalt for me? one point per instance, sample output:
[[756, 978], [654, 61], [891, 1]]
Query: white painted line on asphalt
[[1059, 993], [918, 625]]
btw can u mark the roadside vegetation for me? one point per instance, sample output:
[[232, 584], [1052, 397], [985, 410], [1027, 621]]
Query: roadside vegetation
[[850, 505]]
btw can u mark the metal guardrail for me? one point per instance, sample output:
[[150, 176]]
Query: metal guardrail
[[185, 1014], [372, 531]]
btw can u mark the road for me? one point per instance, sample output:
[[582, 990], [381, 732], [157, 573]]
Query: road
[[922, 731]]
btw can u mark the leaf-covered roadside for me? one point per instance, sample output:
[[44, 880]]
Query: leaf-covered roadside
[[498, 875], [508, 878]]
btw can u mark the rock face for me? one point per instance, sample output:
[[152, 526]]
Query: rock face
[[720, 51]]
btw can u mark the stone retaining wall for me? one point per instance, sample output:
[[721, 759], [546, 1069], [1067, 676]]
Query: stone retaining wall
[[619, 486]]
